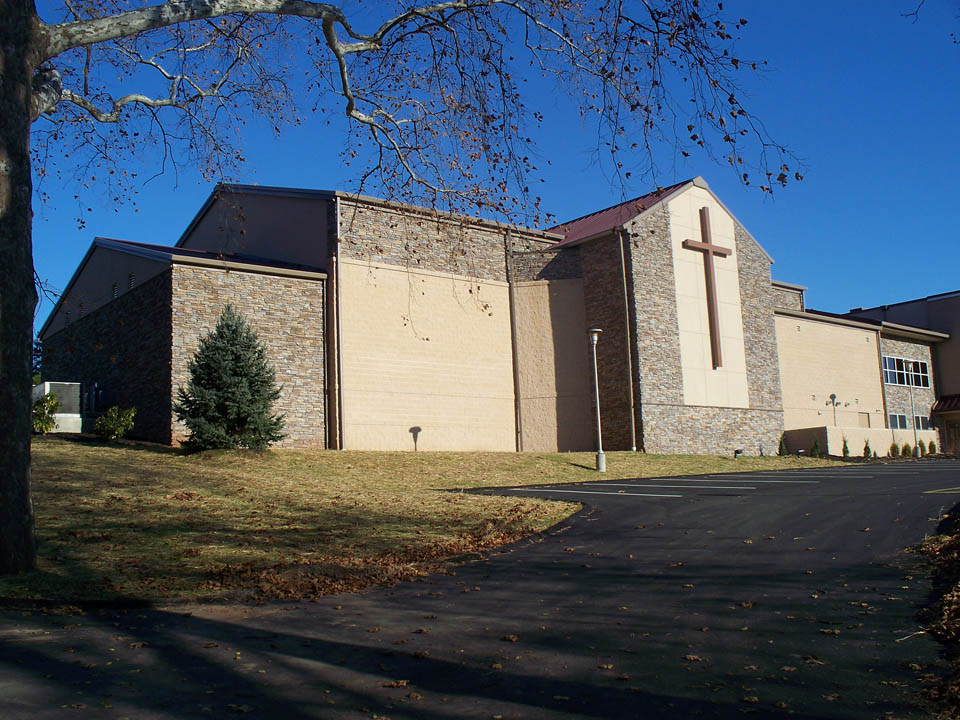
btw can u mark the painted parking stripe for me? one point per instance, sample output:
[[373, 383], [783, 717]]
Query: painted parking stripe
[[750, 480], [677, 487], [943, 490], [588, 492]]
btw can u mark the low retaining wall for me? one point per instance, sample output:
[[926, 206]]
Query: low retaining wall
[[830, 439]]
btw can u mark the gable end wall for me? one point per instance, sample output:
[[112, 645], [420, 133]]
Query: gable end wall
[[669, 426]]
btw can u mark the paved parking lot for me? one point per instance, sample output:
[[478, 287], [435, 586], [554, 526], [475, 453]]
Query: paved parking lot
[[773, 594]]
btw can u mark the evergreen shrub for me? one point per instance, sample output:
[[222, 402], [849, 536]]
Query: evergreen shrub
[[932, 448], [815, 448], [846, 448], [894, 449], [228, 401], [114, 423], [782, 447], [866, 449], [906, 450], [44, 410]]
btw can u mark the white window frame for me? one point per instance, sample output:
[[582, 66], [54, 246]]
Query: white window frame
[[895, 372], [897, 421], [921, 422]]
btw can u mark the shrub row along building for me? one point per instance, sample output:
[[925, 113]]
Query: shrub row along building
[[397, 328]]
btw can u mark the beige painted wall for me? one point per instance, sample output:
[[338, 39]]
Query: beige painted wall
[[818, 359], [426, 350], [830, 439], [93, 287], [553, 368], [703, 385]]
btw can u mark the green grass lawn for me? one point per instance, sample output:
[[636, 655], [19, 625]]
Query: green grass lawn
[[139, 521]]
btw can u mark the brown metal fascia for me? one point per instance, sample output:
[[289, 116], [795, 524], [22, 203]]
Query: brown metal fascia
[[246, 267], [623, 237]]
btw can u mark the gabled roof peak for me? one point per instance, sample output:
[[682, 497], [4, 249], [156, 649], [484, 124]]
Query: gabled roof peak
[[609, 218]]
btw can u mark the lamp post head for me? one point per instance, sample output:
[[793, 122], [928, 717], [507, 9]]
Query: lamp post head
[[593, 334]]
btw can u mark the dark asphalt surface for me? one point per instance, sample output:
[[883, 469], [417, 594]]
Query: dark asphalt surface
[[765, 594]]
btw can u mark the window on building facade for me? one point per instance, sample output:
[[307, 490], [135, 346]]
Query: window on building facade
[[902, 371], [898, 422], [921, 422]]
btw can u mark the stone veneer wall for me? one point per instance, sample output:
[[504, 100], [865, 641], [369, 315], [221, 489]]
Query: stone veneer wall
[[759, 326], [668, 425], [604, 309], [124, 347], [898, 396], [783, 298], [419, 240], [287, 314], [548, 264], [711, 430]]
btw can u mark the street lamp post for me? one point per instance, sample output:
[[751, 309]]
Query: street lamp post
[[594, 333], [913, 412]]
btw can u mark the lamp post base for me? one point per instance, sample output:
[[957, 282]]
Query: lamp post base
[[601, 462]]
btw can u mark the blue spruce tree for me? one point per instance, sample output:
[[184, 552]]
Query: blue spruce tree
[[228, 402]]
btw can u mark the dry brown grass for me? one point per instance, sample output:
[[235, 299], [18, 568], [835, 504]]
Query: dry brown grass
[[140, 521]]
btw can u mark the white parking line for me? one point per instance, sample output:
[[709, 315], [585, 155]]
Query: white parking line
[[750, 480], [588, 492], [678, 487]]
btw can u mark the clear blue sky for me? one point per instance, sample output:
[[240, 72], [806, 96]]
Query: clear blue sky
[[867, 98]]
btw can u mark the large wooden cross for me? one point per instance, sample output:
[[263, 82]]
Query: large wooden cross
[[709, 250]]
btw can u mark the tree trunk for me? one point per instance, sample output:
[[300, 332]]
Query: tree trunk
[[17, 291]]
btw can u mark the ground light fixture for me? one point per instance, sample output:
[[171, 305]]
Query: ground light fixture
[[594, 334]]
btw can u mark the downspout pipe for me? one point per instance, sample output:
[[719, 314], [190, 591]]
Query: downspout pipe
[[340, 441], [623, 236], [511, 291]]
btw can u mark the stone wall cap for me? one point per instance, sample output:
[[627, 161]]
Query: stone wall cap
[[788, 286]]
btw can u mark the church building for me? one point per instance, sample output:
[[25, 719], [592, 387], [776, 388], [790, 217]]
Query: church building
[[393, 327]]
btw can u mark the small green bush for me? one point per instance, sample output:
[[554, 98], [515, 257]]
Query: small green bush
[[932, 448], [782, 447], [44, 410], [894, 449], [846, 449], [114, 423], [866, 449], [921, 448], [906, 450], [875, 454], [815, 448]]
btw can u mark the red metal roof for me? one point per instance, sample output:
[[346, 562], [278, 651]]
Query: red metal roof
[[948, 403], [603, 220]]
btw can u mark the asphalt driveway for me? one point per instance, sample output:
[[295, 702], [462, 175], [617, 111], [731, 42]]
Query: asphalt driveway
[[772, 594]]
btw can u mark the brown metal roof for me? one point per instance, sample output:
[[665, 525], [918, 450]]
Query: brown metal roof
[[948, 403], [611, 217]]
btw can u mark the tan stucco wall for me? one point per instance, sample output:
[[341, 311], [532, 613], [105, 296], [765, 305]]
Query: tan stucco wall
[[818, 359], [291, 229], [93, 286], [830, 439], [553, 368], [427, 350], [703, 385]]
